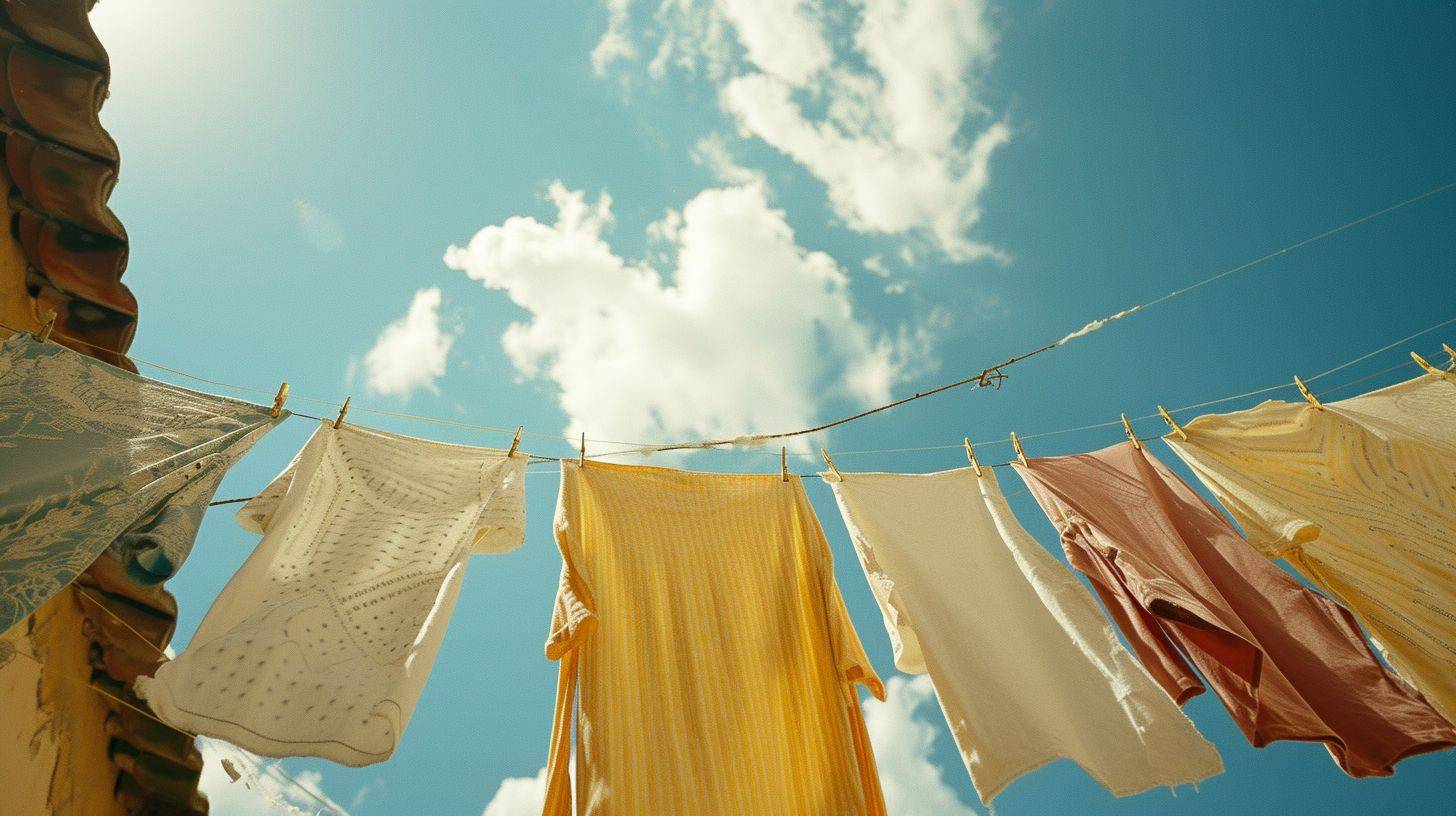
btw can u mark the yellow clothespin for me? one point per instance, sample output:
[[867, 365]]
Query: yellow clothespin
[[1421, 361], [342, 412], [830, 463], [515, 443], [784, 462], [46, 326], [278, 400], [1168, 418], [1020, 454], [582, 461], [971, 455], [1451, 353], [1127, 426], [1304, 392]]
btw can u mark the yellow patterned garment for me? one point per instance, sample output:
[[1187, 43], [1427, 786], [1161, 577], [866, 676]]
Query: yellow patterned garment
[[699, 616], [1360, 496]]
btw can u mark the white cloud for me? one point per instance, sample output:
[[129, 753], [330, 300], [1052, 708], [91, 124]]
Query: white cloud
[[616, 43], [519, 796], [710, 152], [893, 124], [319, 228], [410, 352], [902, 731], [261, 787], [745, 334]]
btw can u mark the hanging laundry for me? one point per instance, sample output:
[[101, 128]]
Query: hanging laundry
[[1026, 667], [321, 643], [1360, 496], [95, 459], [717, 665], [1287, 662]]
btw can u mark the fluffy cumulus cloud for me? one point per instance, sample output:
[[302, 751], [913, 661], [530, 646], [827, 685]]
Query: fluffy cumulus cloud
[[519, 796], [241, 784], [903, 730], [745, 333], [893, 122], [410, 353]]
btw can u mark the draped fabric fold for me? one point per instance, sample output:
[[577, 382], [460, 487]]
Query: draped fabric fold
[[1026, 668], [322, 642], [1288, 663], [1359, 496], [706, 648], [97, 459]]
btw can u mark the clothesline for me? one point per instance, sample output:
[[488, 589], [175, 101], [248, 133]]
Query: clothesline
[[990, 376]]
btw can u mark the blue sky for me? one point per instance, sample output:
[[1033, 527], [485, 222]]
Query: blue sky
[[711, 218]]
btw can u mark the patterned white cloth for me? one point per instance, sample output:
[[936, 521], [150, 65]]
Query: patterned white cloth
[[1026, 667], [94, 458], [322, 642]]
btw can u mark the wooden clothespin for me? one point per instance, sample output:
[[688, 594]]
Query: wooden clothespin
[[582, 462], [1020, 454], [342, 412], [1168, 418], [971, 455], [278, 400], [515, 443], [46, 326], [1421, 361], [1127, 426], [784, 462], [1304, 392], [830, 463]]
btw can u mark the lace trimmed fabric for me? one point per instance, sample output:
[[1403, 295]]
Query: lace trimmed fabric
[[321, 644], [96, 459]]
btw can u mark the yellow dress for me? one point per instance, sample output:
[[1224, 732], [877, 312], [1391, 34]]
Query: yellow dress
[[699, 618], [1360, 496]]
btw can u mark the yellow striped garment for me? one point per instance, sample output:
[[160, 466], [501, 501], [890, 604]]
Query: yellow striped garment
[[699, 616], [1360, 496]]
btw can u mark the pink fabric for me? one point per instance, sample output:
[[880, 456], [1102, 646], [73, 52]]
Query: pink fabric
[[1184, 586]]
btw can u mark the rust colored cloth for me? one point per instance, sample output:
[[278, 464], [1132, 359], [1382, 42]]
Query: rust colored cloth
[[1287, 662]]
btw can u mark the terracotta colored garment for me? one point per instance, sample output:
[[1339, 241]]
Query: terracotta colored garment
[[1287, 662], [1360, 497], [717, 664]]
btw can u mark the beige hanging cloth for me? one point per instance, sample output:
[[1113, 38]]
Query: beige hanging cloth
[[1360, 496], [1026, 667]]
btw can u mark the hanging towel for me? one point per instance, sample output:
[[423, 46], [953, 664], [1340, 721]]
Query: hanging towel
[[1026, 667], [322, 642], [699, 616], [1287, 662], [95, 459], [1360, 497]]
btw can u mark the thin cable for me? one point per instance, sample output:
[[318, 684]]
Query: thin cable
[[990, 376]]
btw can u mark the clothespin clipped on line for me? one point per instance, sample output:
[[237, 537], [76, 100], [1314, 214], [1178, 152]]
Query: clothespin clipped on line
[[515, 443], [784, 462], [1305, 392], [46, 326], [971, 455], [582, 461], [1127, 426], [1421, 361], [1168, 418], [278, 400], [344, 410], [1020, 454], [830, 463]]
